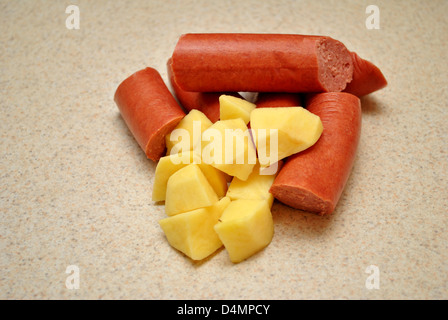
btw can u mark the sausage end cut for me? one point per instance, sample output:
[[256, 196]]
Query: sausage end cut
[[149, 110], [335, 66], [313, 180]]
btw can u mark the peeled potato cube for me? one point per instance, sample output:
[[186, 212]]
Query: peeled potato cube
[[165, 168], [188, 189], [288, 130], [256, 187], [193, 232], [245, 227], [233, 108], [228, 147], [193, 124], [216, 178]]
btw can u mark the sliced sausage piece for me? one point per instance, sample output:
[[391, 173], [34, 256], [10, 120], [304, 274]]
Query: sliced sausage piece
[[149, 110], [261, 63], [313, 180], [207, 102], [367, 77], [278, 100]]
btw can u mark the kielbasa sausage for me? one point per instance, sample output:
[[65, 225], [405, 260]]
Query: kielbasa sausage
[[235, 62], [149, 110], [278, 100], [206, 102], [313, 180]]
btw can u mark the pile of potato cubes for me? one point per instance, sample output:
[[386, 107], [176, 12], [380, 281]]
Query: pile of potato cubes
[[216, 196]]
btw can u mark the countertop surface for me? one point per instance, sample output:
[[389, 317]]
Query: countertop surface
[[76, 187]]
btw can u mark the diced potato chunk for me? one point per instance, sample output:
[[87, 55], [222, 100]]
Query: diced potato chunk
[[245, 227], [216, 178], [170, 164], [188, 189], [165, 168], [193, 232], [256, 187], [194, 123], [227, 146], [297, 129], [233, 108]]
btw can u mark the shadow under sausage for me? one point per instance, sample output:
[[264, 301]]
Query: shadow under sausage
[[298, 223], [371, 106]]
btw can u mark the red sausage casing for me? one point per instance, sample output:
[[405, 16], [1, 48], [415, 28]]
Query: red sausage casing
[[261, 63], [278, 100], [313, 180], [149, 110], [206, 102], [367, 77]]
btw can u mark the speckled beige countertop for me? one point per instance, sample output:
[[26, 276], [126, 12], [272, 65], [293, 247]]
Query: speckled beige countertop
[[76, 187]]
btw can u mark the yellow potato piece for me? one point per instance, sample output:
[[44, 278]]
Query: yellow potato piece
[[227, 146], [245, 227], [233, 108], [297, 129], [216, 178], [188, 189], [170, 164], [165, 168], [193, 232], [191, 137], [256, 187]]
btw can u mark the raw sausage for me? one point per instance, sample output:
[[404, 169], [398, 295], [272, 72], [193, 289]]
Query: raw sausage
[[261, 63], [207, 102], [149, 110], [313, 180], [367, 77], [278, 100]]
